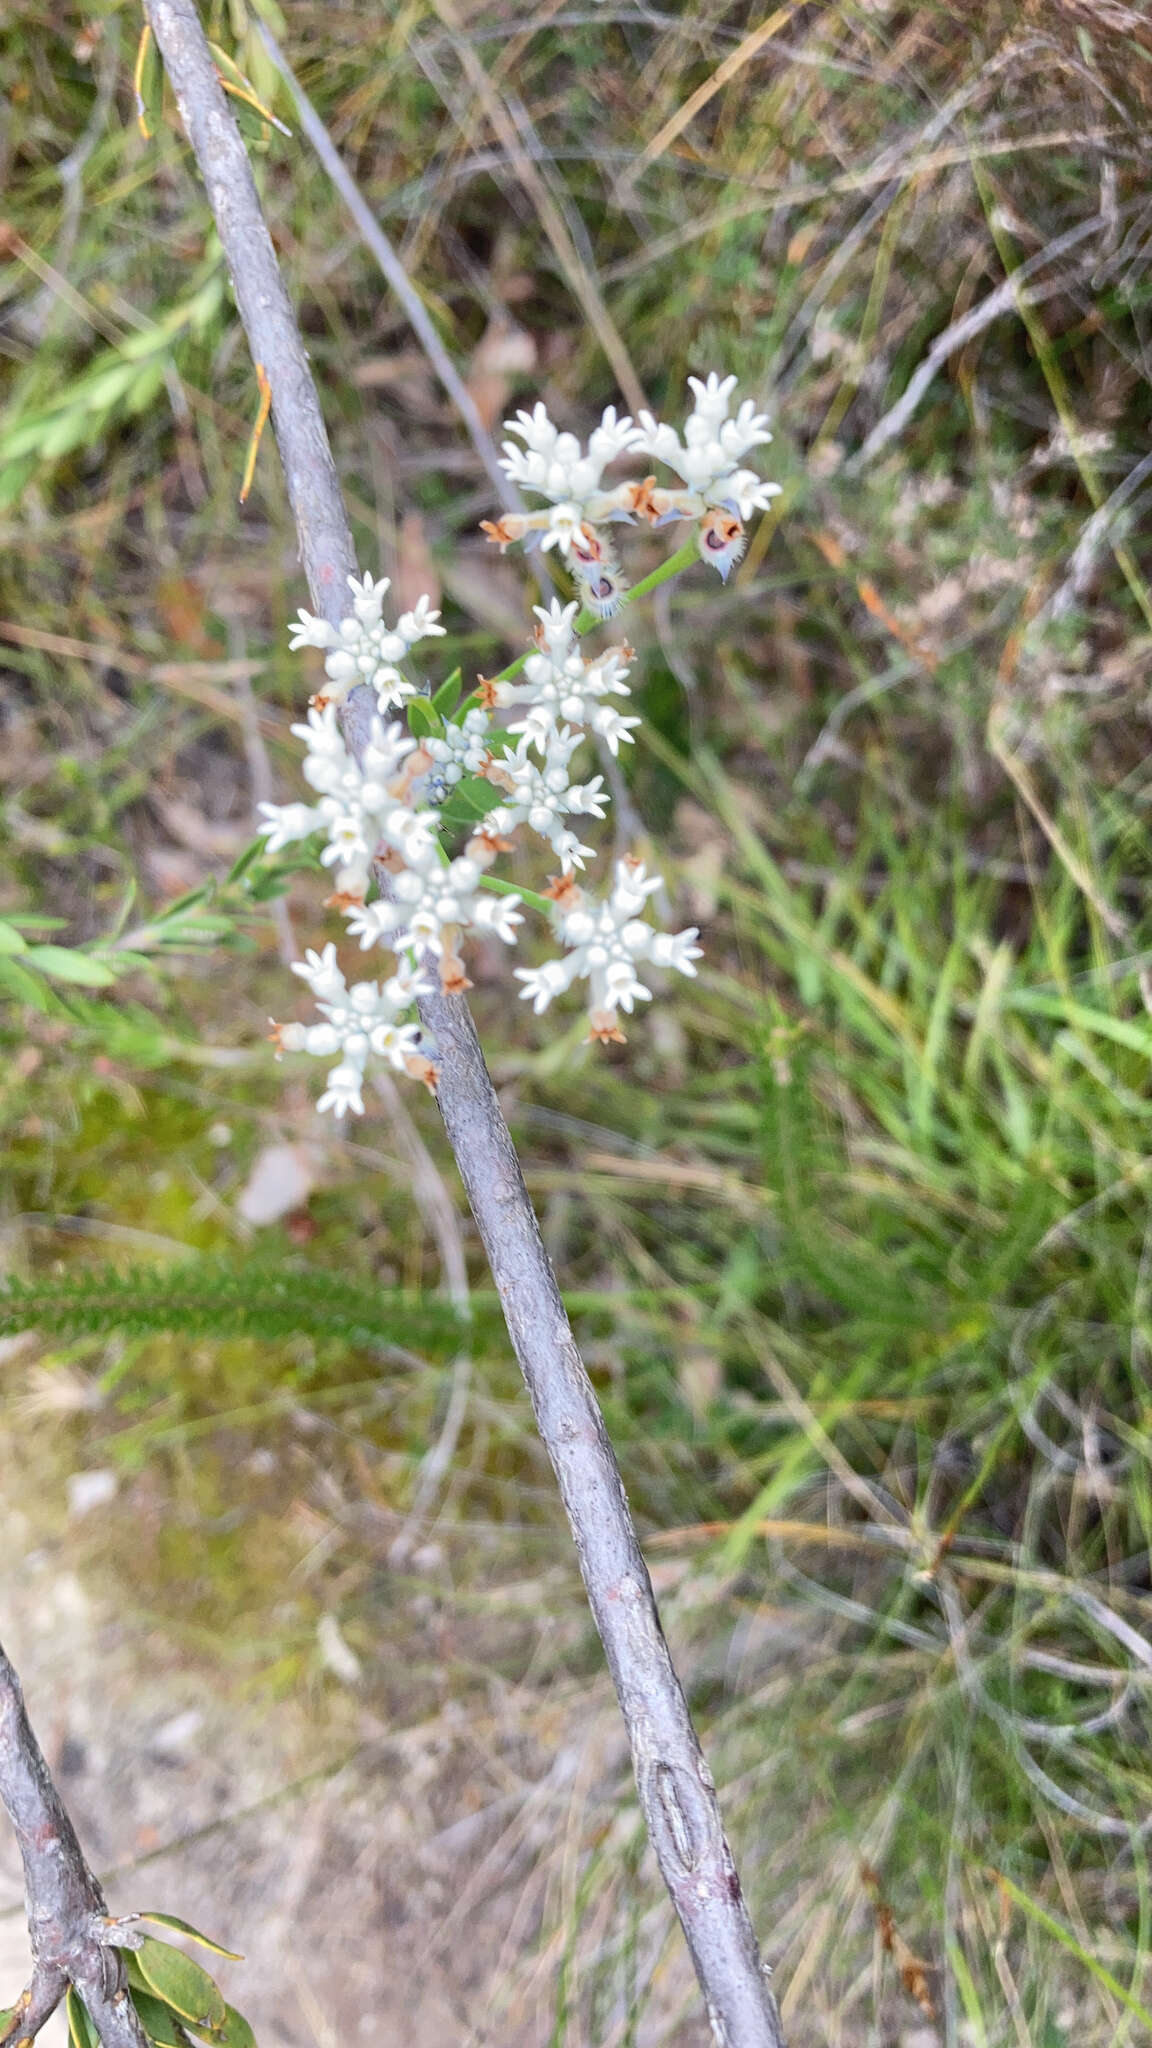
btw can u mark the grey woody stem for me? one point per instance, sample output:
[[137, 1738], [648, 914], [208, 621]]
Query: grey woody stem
[[71, 1933], [677, 1794]]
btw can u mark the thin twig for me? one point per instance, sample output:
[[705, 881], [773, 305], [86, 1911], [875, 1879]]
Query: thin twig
[[430, 1193], [379, 245], [1004, 299], [676, 1790], [74, 1940]]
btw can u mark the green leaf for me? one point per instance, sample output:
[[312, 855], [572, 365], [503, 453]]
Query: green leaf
[[125, 958], [444, 699], [1136, 1037], [158, 2020], [81, 2031], [180, 904], [10, 939], [470, 801], [247, 859], [8, 2013], [423, 721], [181, 1983], [20, 983], [235, 2033], [193, 1933], [64, 965]]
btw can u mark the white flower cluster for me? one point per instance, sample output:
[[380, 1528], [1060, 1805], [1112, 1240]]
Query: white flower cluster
[[713, 446], [716, 491], [603, 942], [387, 818], [561, 688], [362, 649], [361, 810], [363, 1019]]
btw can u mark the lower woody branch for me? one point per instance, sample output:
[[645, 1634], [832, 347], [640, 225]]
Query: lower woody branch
[[71, 1931], [675, 1786]]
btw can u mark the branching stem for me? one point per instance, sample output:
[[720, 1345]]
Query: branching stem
[[677, 1794], [71, 1932]]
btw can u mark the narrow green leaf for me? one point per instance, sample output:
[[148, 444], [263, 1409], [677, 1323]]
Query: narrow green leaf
[[124, 958], [64, 965], [250, 855], [10, 939], [470, 801], [1073, 1946], [8, 2013], [193, 1933], [183, 903], [181, 1983], [444, 699], [423, 721], [20, 983], [1136, 1037]]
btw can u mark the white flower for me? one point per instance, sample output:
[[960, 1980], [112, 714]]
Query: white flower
[[555, 466], [563, 689], [603, 943], [542, 796], [308, 631], [709, 456], [359, 810], [281, 824], [343, 1091], [430, 905], [366, 1019]]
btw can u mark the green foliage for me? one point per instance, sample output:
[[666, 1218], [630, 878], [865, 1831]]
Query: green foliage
[[856, 1229], [216, 1297], [117, 387], [173, 1995]]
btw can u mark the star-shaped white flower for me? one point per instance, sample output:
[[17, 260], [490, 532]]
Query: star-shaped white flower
[[362, 649], [603, 942], [710, 455]]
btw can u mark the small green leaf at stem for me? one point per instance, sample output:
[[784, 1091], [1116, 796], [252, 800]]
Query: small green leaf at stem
[[159, 2021], [81, 2031], [444, 699], [10, 939], [251, 853], [529, 896], [470, 801], [423, 721], [185, 1927], [181, 1983], [235, 2032]]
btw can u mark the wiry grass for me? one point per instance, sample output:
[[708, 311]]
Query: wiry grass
[[857, 1230]]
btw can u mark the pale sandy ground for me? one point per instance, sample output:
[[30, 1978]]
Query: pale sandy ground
[[396, 1900], [387, 1885]]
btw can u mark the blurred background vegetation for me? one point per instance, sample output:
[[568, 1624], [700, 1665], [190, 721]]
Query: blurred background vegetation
[[856, 1230]]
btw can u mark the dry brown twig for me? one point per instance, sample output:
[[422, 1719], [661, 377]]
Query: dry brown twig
[[676, 1790]]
